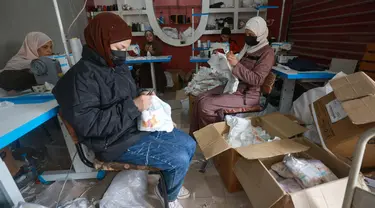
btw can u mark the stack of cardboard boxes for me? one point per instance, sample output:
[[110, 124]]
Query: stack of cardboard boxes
[[247, 167]]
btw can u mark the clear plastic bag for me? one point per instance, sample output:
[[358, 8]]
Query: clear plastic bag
[[127, 190], [326, 174], [290, 185], [282, 170], [157, 118], [28, 205], [307, 174]]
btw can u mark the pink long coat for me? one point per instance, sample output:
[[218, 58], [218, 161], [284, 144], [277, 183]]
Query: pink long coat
[[252, 70]]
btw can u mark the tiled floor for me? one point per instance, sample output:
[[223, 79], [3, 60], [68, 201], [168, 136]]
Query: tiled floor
[[207, 189]]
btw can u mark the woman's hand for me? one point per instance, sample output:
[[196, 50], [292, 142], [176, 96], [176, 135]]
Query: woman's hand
[[147, 47], [143, 102], [232, 59]]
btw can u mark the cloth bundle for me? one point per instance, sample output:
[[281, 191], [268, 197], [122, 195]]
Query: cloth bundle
[[219, 61], [206, 79], [157, 118], [219, 73]]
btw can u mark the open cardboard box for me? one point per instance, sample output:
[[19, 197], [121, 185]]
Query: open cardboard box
[[213, 145], [346, 113], [264, 191]]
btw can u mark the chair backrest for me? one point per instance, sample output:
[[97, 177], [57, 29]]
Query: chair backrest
[[268, 84], [75, 140], [70, 129]]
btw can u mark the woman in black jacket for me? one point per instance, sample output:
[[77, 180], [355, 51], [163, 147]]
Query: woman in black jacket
[[98, 97]]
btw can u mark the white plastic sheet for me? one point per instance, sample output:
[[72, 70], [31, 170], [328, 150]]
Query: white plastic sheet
[[219, 61], [157, 118], [127, 190]]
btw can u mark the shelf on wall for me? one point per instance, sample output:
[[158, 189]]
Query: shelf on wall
[[218, 32], [138, 34], [133, 12], [231, 10], [114, 12]]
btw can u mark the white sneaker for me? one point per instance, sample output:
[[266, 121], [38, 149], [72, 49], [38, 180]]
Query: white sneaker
[[174, 204], [184, 193]]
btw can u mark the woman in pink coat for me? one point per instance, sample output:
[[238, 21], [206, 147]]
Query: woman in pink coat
[[251, 67]]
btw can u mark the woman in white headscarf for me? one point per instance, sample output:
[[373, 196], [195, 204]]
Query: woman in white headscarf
[[16, 74], [251, 67]]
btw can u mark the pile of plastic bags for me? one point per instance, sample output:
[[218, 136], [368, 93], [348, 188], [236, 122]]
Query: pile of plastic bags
[[219, 73], [206, 79], [295, 174], [242, 133]]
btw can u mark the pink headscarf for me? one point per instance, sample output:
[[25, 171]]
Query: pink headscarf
[[28, 51]]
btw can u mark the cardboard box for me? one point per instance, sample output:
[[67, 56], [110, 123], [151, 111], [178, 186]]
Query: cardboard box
[[346, 113], [213, 145], [10, 162], [264, 191]]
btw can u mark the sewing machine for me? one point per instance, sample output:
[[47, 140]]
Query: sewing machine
[[46, 69]]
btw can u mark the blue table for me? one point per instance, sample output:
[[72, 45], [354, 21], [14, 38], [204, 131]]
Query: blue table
[[197, 60], [151, 60], [15, 122], [290, 77]]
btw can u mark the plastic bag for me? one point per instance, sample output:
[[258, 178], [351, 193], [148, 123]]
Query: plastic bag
[[307, 174], [300, 106], [282, 170], [157, 118], [290, 185], [219, 61], [241, 132], [127, 190], [28, 205], [326, 174], [78, 203], [276, 176], [206, 79]]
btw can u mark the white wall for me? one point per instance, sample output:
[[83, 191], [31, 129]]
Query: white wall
[[18, 17]]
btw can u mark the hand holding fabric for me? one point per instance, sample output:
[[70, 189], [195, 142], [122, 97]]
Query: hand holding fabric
[[232, 59], [143, 102]]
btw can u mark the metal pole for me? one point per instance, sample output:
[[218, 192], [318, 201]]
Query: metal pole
[[153, 78], [62, 31], [281, 20], [356, 166], [192, 32]]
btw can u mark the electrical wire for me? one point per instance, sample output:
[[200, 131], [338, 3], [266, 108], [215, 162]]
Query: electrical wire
[[66, 179], [75, 19]]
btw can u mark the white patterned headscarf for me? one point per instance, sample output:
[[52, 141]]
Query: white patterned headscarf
[[258, 26], [28, 51]]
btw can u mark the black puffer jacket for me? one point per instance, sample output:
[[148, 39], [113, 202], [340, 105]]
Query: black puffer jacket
[[98, 102]]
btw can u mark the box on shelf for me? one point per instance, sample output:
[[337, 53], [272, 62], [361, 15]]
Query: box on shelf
[[346, 113], [264, 191], [213, 145]]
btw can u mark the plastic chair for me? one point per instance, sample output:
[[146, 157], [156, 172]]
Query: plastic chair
[[113, 166], [355, 196], [265, 91]]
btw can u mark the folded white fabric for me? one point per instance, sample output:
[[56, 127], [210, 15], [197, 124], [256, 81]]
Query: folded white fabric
[[157, 118]]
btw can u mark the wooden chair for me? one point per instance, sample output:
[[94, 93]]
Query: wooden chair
[[113, 166], [265, 92], [367, 63]]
